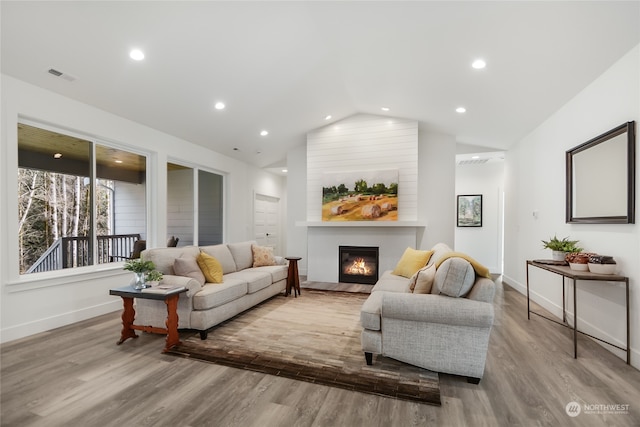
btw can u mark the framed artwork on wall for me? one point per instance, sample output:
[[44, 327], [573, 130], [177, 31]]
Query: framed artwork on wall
[[360, 196], [469, 212]]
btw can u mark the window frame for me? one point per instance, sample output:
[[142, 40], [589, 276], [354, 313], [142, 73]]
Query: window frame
[[75, 274]]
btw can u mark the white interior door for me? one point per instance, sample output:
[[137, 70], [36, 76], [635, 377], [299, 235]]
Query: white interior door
[[266, 220]]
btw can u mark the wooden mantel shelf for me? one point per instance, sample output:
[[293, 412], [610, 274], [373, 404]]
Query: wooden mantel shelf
[[414, 224]]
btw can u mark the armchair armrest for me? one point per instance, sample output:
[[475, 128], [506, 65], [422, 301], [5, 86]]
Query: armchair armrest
[[191, 284], [437, 309]]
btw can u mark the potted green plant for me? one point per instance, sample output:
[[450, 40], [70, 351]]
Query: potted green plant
[[153, 277], [140, 268], [560, 247]]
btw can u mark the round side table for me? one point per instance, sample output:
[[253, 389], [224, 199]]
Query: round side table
[[293, 281]]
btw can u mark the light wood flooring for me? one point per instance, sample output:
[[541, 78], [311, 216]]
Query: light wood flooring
[[78, 376]]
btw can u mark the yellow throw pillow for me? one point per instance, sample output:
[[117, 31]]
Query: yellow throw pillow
[[211, 268], [480, 269], [412, 260], [262, 255]]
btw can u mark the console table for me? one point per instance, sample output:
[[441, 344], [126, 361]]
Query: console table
[[170, 298], [575, 275]]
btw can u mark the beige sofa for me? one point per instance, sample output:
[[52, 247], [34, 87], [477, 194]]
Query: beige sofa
[[206, 305], [446, 330]]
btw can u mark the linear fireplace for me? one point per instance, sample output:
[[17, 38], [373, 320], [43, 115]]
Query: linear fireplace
[[358, 264]]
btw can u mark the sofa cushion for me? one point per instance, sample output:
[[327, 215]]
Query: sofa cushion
[[454, 278], [262, 256], [188, 267], [223, 255], [392, 283], [255, 279], [424, 280], [439, 250], [163, 257], [211, 267], [411, 261], [277, 272], [215, 295], [242, 254]]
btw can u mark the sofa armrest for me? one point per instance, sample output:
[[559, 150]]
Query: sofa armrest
[[437, 309], [191, 284]]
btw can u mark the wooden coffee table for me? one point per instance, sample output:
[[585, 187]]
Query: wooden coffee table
[[170, 298]]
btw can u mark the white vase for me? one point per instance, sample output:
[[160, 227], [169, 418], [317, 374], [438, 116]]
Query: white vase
[[558, 255]]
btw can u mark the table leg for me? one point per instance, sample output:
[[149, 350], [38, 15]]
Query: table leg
[[296, 278], [293, 280], [528, 304], [626, 282], [173, 337], [575, 320], [128, 315]]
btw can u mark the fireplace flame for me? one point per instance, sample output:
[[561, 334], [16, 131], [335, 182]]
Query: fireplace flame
[[359, 267]]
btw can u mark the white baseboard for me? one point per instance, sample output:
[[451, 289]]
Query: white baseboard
[[42, 325]]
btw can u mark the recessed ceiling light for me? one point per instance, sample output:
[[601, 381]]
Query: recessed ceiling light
[[136, 54], [118, 161], [475, 157], [461, 110], [285, 170], [479, 64], [219, 106], [328, 117], [384, 108], [57, 156], [264, 133]]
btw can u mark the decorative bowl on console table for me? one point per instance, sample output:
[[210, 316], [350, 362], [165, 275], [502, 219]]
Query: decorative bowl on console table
[[578, 260], [602, 264]]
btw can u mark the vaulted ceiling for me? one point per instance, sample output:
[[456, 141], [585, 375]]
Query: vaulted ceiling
[[284, 67]]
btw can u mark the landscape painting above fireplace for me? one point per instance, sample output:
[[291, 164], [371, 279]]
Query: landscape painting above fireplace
[[360, 196]]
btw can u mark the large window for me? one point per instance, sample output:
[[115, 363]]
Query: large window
[[80, 202], [195, 200]]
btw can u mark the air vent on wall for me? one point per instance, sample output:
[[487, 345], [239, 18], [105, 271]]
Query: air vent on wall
[[473, 162], [68, 77]]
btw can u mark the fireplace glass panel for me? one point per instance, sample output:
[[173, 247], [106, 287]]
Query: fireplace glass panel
[[358, 264]]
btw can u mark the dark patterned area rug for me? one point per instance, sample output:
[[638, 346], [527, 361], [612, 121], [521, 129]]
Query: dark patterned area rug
[[313, 338]]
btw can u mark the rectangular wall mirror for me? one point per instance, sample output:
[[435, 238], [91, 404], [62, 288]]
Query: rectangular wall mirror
[[601, 178]]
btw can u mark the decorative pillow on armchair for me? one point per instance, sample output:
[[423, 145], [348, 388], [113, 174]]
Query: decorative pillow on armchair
[[262, 255], [412, 260], [424, 280], [454, 277]]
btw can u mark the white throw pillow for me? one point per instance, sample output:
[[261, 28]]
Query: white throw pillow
[[424, 280]]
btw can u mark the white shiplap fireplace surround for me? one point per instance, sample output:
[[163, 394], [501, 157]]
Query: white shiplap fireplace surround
[[361, 143]]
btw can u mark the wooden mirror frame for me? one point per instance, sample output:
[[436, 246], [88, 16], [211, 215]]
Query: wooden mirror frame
[[625, 216]]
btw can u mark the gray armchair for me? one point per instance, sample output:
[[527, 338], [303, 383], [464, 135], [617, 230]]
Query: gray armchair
[[435, 331]]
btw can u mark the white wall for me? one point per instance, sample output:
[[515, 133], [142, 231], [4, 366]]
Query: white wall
[[534, 181], [436, 183], [296, 206], [483, 243], [39, 302]]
